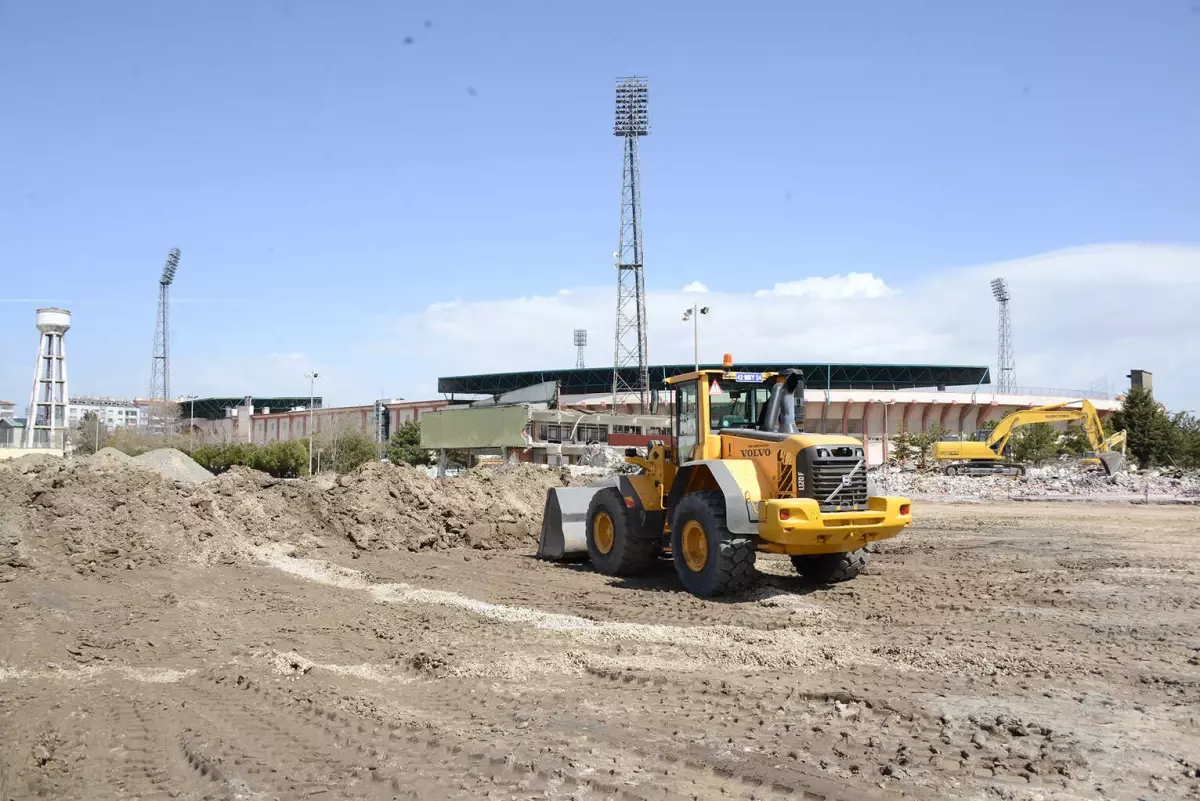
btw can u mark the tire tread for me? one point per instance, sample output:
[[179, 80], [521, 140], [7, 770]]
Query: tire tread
[[831, 568]]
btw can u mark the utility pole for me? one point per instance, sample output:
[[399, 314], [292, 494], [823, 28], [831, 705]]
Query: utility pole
[[191, 399], [312, 379]]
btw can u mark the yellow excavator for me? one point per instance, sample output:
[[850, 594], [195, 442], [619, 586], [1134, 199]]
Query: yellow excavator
[[740, 477], [987, 455]]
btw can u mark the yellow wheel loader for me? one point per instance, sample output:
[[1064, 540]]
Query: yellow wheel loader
[[739, 478]]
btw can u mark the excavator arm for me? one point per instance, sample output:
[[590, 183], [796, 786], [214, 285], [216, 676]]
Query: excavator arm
[[1057, 413]]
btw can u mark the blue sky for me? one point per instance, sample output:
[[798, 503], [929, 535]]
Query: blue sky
[[330, 170]]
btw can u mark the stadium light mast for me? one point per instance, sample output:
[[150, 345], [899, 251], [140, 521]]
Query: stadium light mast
[[160, 369], [1006, 381], [632, 121], [580, 343]]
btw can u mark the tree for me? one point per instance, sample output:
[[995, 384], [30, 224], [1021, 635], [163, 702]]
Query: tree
[[404, 446], [901, 449], [1035, 444], [345, 449], [90, 434], [1187, 450], [1075, 442], [916, 445], [1151, 434]]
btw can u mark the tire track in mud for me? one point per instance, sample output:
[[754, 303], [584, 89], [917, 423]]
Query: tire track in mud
[[598, 740], [519, 762], [315, 745], [824, 738]]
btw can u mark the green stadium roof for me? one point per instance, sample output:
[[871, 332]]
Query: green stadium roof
[[598, 380], [214, 408]]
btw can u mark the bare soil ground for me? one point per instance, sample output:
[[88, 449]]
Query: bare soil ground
[[994, 651]]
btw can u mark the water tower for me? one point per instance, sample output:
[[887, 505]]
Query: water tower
[[48, 399]]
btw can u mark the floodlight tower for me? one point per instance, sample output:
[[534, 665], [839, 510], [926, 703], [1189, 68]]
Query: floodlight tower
[[630, 349], [580, 344], [160, 368], [1005, 361], [49, 403]]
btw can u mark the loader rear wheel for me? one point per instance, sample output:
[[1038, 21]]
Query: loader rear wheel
[[612, 548], [709, 560], [830, 568]]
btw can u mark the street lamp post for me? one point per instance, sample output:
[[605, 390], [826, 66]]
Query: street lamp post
[[191, 399], [312, 394], [693, 314]]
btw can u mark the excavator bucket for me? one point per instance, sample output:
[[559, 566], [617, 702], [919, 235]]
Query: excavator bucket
[[564, 523], [1112, 462]]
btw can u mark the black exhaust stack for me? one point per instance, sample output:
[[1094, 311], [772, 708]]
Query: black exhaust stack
[[793, 403]]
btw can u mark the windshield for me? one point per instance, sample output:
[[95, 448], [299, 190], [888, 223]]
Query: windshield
[[738, 407]]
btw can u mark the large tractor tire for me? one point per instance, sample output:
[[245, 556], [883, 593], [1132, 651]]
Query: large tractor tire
[[709, 560], [612, 548], [830, 568]]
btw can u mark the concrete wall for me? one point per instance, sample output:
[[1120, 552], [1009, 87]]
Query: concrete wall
[[283, 426]]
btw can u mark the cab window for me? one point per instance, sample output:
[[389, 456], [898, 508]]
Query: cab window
[[736, 407], [687, 416]]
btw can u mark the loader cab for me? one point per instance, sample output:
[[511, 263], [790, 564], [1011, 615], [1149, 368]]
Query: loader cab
[[710, 402]]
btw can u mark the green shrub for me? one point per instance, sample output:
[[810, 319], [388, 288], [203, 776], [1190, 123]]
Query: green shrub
[[278, 459], [404, 446]]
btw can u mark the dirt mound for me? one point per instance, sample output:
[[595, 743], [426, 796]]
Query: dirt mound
[[111, 455], [101, 515], [174, 465], [387, 506], [92, 517]]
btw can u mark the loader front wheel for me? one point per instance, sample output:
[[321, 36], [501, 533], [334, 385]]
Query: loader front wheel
[[709, 560], [612, 548], [830, 568]]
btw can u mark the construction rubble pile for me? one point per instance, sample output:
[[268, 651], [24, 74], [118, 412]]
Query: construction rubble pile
[[609, 460], [1054, 482], [110, 513]]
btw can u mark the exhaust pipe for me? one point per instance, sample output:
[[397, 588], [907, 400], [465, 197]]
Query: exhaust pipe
[[792, 403]]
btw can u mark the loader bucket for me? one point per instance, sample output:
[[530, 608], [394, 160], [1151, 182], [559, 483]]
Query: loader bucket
[[1112, 462], [564, 523]]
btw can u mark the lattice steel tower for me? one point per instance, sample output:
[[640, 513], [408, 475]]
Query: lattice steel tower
[[1005, 361], [580, 344], [630, 350], [160, 369]]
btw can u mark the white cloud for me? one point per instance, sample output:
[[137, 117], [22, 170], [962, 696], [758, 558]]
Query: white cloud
[[834, 287], [1081, 319], [695, 286]]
